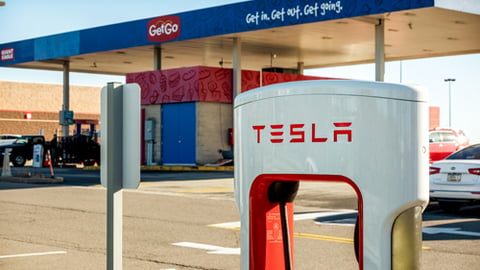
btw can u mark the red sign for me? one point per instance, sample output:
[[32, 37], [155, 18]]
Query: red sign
[[297, 133], [7, 54], [163, 29]]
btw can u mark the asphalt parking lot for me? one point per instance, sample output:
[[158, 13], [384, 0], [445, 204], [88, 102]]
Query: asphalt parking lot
[[189, 220]]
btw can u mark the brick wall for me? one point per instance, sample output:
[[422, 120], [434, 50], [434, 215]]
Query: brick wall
[[213, 121], [43, 101]]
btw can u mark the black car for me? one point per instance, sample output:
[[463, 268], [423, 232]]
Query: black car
[[22, 149]]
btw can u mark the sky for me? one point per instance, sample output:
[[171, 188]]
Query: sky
[[25, 19]]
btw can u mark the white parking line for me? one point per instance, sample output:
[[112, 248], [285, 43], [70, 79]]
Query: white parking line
[[210, 248], [32, 254], [235, 225]]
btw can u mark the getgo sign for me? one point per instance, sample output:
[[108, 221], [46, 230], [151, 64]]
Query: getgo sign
[[163, 28]]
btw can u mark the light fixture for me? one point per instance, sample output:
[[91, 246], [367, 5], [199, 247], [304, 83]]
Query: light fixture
[[221, 62], [272, 56]]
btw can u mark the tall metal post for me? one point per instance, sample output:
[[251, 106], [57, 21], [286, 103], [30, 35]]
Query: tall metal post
[[157, 58], [237, 66], [300, 67], [450, 80], [66, 94], [380, 50]]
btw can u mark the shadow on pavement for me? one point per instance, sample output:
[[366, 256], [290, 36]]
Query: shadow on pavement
[[80, 177]]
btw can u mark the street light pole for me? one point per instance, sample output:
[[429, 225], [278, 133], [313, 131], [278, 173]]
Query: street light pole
[[450, 80]]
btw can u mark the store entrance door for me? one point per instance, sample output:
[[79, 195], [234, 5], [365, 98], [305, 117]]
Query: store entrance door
[[179, 134]]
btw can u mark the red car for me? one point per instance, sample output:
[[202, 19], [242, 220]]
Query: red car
[[445, 141]]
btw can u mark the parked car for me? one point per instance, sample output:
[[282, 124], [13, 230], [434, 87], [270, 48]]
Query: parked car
[[445, 141], [70, 149], [455, 181], [22, 149], [8, 138]]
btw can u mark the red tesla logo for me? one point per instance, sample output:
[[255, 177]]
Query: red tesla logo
[[301, 133]]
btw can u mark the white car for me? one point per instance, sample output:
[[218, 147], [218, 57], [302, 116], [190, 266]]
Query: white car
[[455, 181], [8, 138]]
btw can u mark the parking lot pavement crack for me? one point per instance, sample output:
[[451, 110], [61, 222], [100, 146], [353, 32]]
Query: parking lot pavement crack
[[57, 244], [186, 266], [54, 207]]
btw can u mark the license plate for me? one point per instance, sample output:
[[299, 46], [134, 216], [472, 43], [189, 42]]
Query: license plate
[[454, 177]]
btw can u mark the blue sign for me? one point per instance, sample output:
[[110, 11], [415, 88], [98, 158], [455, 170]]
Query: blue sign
[[66, 118], [214, 21]]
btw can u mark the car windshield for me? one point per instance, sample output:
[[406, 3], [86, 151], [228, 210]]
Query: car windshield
[[21, 140], [442, 136], [470, 152]]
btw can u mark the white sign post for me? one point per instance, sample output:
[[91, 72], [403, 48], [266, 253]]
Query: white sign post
[[37, 156], [120, 158]]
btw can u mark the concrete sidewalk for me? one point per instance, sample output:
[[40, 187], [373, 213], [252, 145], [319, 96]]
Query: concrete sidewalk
[[174, 168]]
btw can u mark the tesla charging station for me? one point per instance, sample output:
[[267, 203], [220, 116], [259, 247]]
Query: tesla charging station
[[373, 136]]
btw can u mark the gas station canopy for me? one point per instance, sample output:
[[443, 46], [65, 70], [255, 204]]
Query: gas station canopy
[[281, 33]]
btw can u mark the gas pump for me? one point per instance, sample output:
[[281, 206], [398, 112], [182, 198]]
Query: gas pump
[[370, 135]]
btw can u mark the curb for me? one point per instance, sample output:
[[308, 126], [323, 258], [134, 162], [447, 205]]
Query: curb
[[175, 168], [35, 179]]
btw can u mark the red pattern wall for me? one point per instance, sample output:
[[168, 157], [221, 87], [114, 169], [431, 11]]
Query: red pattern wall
[[273, 78], [201, 83]]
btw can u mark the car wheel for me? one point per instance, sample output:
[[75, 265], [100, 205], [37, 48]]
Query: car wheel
[[19, 161], [450, 207]]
